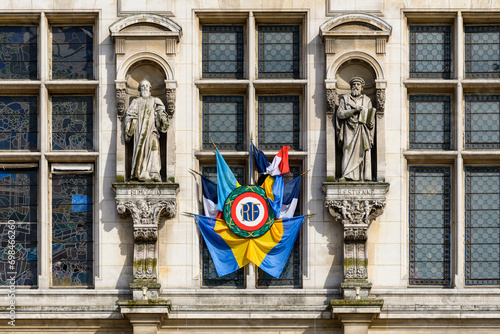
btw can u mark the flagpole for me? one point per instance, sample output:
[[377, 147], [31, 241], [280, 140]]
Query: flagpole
[[194, 171], [250, 154], [305, 172], [214, 145]]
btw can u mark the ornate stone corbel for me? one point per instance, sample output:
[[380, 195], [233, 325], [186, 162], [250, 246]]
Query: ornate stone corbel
[[380, 102]]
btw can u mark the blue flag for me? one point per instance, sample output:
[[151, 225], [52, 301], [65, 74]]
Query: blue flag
[[209, 190], [226, 182], [260, 159], [290, 197]]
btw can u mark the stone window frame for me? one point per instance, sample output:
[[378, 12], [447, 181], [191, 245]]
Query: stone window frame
[[250, 87], [458, 158], [41, 159]]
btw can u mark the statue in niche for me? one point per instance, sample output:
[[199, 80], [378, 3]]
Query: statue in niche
[[145, 117], [355, 123]]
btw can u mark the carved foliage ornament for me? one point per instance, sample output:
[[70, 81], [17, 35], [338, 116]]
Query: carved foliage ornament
[[355, 211], [380, 102], [146, 212], [333, 101]]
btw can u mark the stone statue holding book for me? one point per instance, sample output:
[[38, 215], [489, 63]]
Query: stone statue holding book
[[355, 123]]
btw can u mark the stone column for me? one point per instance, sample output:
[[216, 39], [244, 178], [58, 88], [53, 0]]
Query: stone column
[[145, 202], [355, 205]]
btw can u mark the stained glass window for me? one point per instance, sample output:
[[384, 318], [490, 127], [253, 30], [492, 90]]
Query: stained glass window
[[222, 52], [72, 123], [18, 52], [278, 122], [18, 203], [18, 123], [223, 122], [482, 225], [210, 276], [72, 52], [482, 121], [430, 121], [482, 52], [72, 238], [430, 52], [279, 52], [429, 226]]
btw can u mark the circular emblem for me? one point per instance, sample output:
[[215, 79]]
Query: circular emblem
[[247, 212]]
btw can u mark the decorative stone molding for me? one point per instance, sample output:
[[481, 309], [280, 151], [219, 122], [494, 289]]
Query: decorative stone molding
[[145, 202], [121, 96], [171, 96], [333, 101], [380, 102], [355, 205]]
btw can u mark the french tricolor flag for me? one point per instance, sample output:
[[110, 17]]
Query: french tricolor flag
[[290, 198], [209, 190], [279, 165]]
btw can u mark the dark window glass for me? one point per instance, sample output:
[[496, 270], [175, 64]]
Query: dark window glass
[[430, 52], [482, 225], [482, 52], [18, 123], [430, 122], [72, 52], [278, 122], [18, 204], [72, 123], [222, 52], [223, 122], [482, 121], [429, 226], [72, 239], [18, 52], [279, 52]]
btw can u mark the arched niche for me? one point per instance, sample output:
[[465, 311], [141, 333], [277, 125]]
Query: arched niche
[[355, 46], [145, 48]]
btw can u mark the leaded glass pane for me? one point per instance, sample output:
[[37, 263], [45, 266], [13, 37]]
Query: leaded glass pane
[[18, 123], [18, 203], [482, 52], [72, 52], [72, 123], [72, 223], [430, 52], [278, 122], [222, 52], [279, 52], [429, 225], [430, 122], [482, 121], [18, 52], [223, 122], [482, 225]]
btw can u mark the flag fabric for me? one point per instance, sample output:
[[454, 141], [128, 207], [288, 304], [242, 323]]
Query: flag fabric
[[290, 197], [274, 188], [209, 191], [226, 182], [279, 165], [269, 251], [260, 159]]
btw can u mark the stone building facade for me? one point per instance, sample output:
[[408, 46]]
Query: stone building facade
[[413, 247]]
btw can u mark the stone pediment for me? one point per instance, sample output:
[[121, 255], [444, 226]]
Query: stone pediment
[[145, 25], [355, 25]]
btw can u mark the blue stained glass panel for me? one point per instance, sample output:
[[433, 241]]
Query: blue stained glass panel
[[482, 121], [482, 225], [430, 52], [18, 123], [482, 52], [429, 226], [223, 122], [279, 52], [222, 52], [278, 118], [18, 203], [72, 123], [430, 122], [18, 52], [72, 52], [72, 242]]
